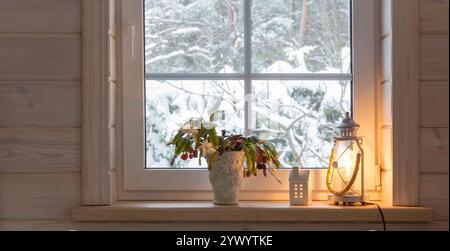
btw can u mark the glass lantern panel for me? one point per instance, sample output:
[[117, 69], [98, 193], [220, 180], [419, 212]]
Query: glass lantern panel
[[346, 167]]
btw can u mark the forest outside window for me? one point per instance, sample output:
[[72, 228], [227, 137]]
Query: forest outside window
[[283, 70]]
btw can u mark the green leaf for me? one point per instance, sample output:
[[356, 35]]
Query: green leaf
[[176, 138], [213, 137]]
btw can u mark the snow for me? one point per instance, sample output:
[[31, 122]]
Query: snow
[[197, 48], [280, 66], [185, 30], [199, 36], [164, 57]]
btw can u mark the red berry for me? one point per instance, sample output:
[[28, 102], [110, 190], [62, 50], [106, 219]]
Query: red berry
[[191, 156], [184, 156]]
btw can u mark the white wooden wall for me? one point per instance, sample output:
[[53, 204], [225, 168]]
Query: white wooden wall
[[433, 99], [434, 63], [40, 108]]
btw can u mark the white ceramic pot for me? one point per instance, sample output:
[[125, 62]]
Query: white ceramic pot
[[226, 177]]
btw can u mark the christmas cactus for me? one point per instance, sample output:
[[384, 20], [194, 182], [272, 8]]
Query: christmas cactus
[[198, 138]]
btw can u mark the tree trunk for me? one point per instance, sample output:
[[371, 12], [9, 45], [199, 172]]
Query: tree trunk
[[303, 23]]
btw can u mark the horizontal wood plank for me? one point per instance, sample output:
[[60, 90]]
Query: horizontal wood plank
[[434, 105], [40, 150], [38, 196], [434, 16], [440, 208], [40, 57], [44, 16], [434, 187], [40, 104], [434, 56], [434, 150], [245, 212], [14, 225]]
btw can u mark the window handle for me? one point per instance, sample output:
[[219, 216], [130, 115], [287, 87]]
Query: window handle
[[132, 37]]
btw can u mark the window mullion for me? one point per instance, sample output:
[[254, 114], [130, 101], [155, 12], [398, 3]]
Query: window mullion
[[248, 66], [253, 76], [303, 76], [194, 76]]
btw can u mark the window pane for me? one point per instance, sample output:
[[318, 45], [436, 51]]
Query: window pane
[[171, 103], [301, 36], [194, 36], [300, 118]]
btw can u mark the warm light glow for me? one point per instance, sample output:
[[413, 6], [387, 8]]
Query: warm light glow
[[347, 162]]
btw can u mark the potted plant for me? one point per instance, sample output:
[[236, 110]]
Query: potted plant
[[229, 157]]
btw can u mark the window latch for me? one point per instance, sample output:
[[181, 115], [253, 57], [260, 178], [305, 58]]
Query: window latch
[[132, 36]]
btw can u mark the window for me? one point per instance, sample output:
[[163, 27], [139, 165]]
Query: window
[[280, 69]]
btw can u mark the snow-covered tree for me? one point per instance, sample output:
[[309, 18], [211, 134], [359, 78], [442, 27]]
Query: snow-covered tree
[[288, 36]]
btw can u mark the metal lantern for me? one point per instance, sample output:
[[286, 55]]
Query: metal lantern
[[345, 175]]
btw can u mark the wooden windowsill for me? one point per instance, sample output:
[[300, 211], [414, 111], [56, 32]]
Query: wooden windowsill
[[246, 212], [65, 225]]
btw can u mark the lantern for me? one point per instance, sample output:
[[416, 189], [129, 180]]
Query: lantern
[[299, 191], [345, 175]]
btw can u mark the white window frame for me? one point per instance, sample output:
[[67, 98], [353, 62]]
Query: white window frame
[[184, 184]]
